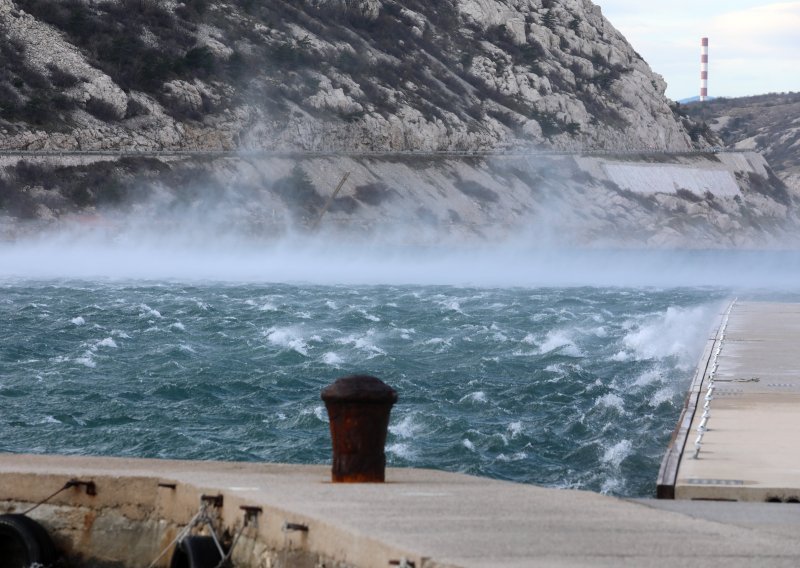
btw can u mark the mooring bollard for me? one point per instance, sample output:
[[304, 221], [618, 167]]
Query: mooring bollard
[[358, 408]]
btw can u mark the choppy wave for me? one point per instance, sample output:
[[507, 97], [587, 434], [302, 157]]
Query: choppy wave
[[575, 387]]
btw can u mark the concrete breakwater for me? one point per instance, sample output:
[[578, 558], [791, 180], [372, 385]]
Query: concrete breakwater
[[288, 515], [660, 200], [736, 438]]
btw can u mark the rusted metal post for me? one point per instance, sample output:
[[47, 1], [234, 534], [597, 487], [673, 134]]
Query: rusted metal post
[[358, 407]]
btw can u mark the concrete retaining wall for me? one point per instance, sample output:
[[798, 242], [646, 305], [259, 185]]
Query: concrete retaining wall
[[656, 200], [135, 516]]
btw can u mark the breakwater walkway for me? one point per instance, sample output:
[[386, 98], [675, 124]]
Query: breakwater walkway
[[419, 518], [738, 437]]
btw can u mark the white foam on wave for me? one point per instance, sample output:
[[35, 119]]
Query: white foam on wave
[[87, 360], [320, 413], [332, 359], [649, 377], [406, 333], [477, 396], [440, 342], [107, 342], [678, 332], [406, 428], [368, 316], [617, 453], [661, 396], [331, 305], [566, 315], [515, 429], [611, 400], [268, 307], [78, 321], [621, 356], [179, 326], [611, 485], [147, 311], [362, 343], [287, 338], [401, 450], [468, 444], [559, 340], [517, 456], [451, 305]]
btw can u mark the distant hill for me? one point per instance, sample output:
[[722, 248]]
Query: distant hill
[[767, 123], [694, 99]]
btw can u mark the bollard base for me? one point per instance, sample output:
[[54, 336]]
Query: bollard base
[[358, 408]]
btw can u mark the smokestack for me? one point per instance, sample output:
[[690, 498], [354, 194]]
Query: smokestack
[[703, 69]]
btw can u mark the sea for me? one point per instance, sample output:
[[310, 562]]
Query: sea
[[564, 369]]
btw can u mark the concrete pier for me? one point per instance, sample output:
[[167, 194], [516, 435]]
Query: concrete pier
[[419, 518], [739, 437]]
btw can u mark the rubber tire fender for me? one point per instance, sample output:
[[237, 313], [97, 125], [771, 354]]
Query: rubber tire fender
[[196, 552], [23, 542]]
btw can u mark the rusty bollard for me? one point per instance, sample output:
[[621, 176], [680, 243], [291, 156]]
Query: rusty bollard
[[358, 407]]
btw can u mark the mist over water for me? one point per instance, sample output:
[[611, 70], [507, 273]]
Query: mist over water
[[334, 259], [566, 368]]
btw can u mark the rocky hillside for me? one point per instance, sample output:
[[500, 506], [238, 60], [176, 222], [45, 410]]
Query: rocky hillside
[[380, 86], [769, 124], [389, 75]]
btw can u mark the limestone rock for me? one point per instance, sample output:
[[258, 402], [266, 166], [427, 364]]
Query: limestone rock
[[366, 8], [102, 88], [184, 95], [455, 75]]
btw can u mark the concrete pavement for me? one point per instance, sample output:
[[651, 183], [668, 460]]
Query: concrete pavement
[[749, 450], [428, 518]]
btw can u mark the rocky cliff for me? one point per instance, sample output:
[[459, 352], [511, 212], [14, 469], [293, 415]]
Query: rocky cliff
[[326, 75]]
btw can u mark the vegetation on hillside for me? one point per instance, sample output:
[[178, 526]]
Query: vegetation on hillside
[[768, 123], [275, 54]]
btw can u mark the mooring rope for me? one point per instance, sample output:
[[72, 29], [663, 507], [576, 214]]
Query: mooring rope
[[202, 518], [194, 521], [227, 556], [67, 485]]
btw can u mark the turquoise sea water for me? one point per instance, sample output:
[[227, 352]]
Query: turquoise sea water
[[569, 387], [566, 368]]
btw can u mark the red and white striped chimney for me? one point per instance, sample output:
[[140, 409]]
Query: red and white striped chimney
[[704, 69]]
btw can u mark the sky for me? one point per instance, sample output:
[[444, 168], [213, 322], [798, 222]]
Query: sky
[[754, 46]]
